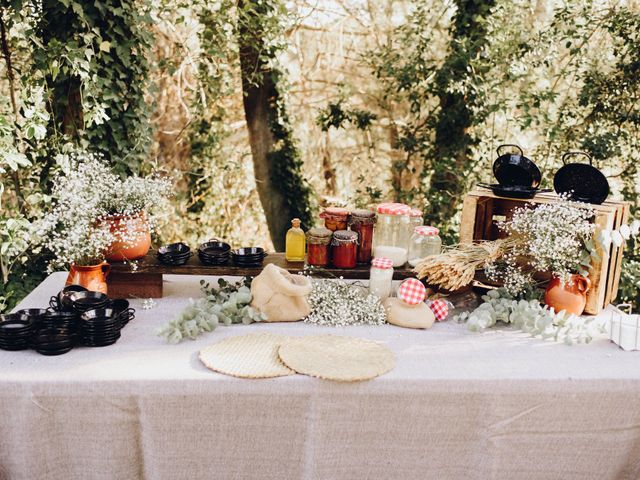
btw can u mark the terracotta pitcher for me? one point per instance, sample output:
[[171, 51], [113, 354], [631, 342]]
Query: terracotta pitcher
[[570, 296], [135, 226], [91, 277]]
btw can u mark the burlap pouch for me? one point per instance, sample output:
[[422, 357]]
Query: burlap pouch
[[281, 295]]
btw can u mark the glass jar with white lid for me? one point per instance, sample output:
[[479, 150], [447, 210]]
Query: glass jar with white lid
[[381, 277], [425, 241], [393, 232]]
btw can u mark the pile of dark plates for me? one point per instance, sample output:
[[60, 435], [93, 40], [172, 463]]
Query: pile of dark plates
[[75, 316], [53, 341], [15, 331], [99, 328], [214, 252], [62, 301], [121, 307], [84, 301], [248, 256], [174, 254]]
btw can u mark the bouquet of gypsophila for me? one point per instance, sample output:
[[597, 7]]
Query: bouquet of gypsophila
[[556, 238]]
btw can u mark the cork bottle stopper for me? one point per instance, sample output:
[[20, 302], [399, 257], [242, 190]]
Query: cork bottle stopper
[[295, 223]]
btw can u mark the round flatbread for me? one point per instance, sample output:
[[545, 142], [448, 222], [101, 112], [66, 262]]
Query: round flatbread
[[247, 356], [344, 359]]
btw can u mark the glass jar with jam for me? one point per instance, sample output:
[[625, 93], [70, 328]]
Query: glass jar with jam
[[344, 249], [318, 241], [362, 222], [425, 241], [335, 218], [393, 232]]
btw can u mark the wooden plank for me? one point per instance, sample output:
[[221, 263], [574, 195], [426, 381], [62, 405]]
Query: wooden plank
[[599, 268], [151, 265], [468, 219], [142, 285], [619, 257]]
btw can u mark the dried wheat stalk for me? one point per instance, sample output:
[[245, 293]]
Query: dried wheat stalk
[[456, 267]]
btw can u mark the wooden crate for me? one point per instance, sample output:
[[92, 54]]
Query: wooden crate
[[482, 210]]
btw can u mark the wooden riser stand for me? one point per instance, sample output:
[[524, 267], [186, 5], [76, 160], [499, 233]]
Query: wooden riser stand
[[482, 210], [146, 280]]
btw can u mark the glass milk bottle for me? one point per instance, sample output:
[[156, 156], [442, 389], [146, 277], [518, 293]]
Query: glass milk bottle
[[381, 277]]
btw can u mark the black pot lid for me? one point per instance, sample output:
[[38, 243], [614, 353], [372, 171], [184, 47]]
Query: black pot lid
[[581, 182], [516, 169]]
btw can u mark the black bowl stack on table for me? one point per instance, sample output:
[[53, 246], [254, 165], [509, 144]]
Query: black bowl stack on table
[[174, 254], [248, 256], [15, 331], [75, 317], [214, 253]]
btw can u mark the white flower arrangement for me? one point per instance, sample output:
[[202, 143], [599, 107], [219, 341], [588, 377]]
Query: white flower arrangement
[[555, 238], [620, 236], [530, 317], [85, 194], [335, 302]]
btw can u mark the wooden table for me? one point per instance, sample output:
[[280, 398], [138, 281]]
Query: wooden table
[[146, 280]]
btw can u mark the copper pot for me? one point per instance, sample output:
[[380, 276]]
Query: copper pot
[[91, 277], [136, 226], [569, 296]]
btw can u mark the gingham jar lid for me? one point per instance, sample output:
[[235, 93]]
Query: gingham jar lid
[[415, 212], [382, 262], [412, 291], [426, 230], [335, 212], [394, 209]]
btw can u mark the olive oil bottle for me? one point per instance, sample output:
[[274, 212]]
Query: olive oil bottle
[[296, 242]]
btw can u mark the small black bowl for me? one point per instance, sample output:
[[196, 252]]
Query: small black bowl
[[214, 248], [64, 296], [179, 248], [88, 300], [169, 259], [55, 319], [34, 314]]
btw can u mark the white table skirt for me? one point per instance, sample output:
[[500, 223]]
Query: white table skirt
[[458, 405]]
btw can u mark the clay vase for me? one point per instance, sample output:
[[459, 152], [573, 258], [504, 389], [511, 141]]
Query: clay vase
[[570, 296], [135, 226], [91, 277]]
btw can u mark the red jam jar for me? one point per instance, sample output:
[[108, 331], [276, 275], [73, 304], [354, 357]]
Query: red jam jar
[[361, 222], [335, 218], [318, 240], [344, 249]]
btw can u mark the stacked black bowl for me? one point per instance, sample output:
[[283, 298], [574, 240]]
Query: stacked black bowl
[[62, 301], [121, 307], [248, 256], [101, 327], [53, 341], [15, 331], [214, 252], [174, 254], [88, 300]]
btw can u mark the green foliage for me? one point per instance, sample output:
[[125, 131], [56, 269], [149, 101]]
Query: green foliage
[[93, 56], [229, 303], [337, 115]]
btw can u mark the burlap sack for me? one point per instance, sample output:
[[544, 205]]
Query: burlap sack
[[281, 295]]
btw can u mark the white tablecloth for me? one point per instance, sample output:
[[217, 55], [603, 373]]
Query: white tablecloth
[[458, 405]]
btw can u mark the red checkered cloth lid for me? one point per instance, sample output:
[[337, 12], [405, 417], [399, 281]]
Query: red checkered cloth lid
[[440, 309], [394, 209], [426, 230], [382, 262], [412, 291]]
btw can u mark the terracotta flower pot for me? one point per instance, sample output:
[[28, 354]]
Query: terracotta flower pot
[[135, 237], [91, 277], [570, 296]]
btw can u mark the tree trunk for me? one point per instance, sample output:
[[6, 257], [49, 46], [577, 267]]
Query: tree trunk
[[453, 142], [283, 191]]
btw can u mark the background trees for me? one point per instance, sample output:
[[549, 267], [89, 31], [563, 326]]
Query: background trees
[[266, 112]]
